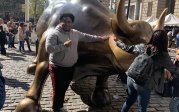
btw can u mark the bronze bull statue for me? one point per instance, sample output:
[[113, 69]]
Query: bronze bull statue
[[103, 58]]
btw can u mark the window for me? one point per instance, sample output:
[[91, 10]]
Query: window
[[149, 11], [131, 12], [171, 5]]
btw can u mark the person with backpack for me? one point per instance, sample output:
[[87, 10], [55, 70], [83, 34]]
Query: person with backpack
[[153, 75]]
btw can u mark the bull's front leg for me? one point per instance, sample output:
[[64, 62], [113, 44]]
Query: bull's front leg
[[32, 101], [100, 95]]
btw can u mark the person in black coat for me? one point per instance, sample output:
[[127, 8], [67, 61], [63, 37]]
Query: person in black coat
[[2, 88], [2, 40]]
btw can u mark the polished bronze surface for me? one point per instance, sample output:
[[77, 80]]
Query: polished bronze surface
[[90, 17]]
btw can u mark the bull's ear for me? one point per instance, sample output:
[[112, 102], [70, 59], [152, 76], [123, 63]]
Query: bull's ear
[[115, 28]]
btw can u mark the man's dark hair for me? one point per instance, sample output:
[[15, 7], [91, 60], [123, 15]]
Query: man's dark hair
[[67, 15], [21, 24]]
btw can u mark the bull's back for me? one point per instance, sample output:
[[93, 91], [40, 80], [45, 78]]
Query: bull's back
[[90, 16]]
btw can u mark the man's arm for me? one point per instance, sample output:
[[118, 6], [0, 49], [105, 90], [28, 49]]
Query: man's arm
[[135, 49], [90, 38]]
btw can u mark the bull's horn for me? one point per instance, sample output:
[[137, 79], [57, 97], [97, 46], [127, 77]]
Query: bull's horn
[[161, 20], [122, 20]]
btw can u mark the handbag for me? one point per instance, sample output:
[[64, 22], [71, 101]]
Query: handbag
[[167, 87], [167, 91]]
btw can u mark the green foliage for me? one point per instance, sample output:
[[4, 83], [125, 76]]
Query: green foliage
[[36, 7]]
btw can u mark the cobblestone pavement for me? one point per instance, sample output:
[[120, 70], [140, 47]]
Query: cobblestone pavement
[[18, 82]]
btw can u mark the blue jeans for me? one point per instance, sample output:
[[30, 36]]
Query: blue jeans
[[28, 43], [2, 90], [13, 38], [61, 78], [136, 92], [174, 104], [10, 41], [21, 45]]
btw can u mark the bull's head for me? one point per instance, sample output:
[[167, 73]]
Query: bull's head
[[131, 33], [134, 31]]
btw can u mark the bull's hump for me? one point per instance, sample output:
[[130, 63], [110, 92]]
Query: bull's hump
[[90, 16]]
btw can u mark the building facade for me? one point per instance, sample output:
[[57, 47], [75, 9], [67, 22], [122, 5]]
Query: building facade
[[139, 9], [12, 8], [143, 9]]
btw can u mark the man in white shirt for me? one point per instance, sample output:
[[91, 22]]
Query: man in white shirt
[[62, 45]]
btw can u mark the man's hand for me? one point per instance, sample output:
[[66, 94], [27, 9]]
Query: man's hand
[[68, 43]]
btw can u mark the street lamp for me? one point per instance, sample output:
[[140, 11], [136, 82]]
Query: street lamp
[[128, 8]]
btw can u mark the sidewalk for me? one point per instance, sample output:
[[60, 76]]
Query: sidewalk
[[18, 82]]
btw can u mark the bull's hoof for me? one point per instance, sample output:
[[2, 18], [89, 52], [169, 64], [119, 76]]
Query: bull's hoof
[[28, 105], [31, 68], [100, 97]]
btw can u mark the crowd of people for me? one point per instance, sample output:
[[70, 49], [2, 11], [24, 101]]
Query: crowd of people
[[173, 36], [62, 43], [10, 31]]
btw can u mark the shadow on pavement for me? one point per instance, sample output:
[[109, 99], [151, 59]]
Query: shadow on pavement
[[15, 56], [15, 83], [18, 56], [84, 88]]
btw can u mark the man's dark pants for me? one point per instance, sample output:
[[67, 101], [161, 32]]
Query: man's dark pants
[[61, 78], [3, 50]]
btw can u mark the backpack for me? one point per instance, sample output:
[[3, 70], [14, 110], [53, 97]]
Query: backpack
[[141, 69]]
